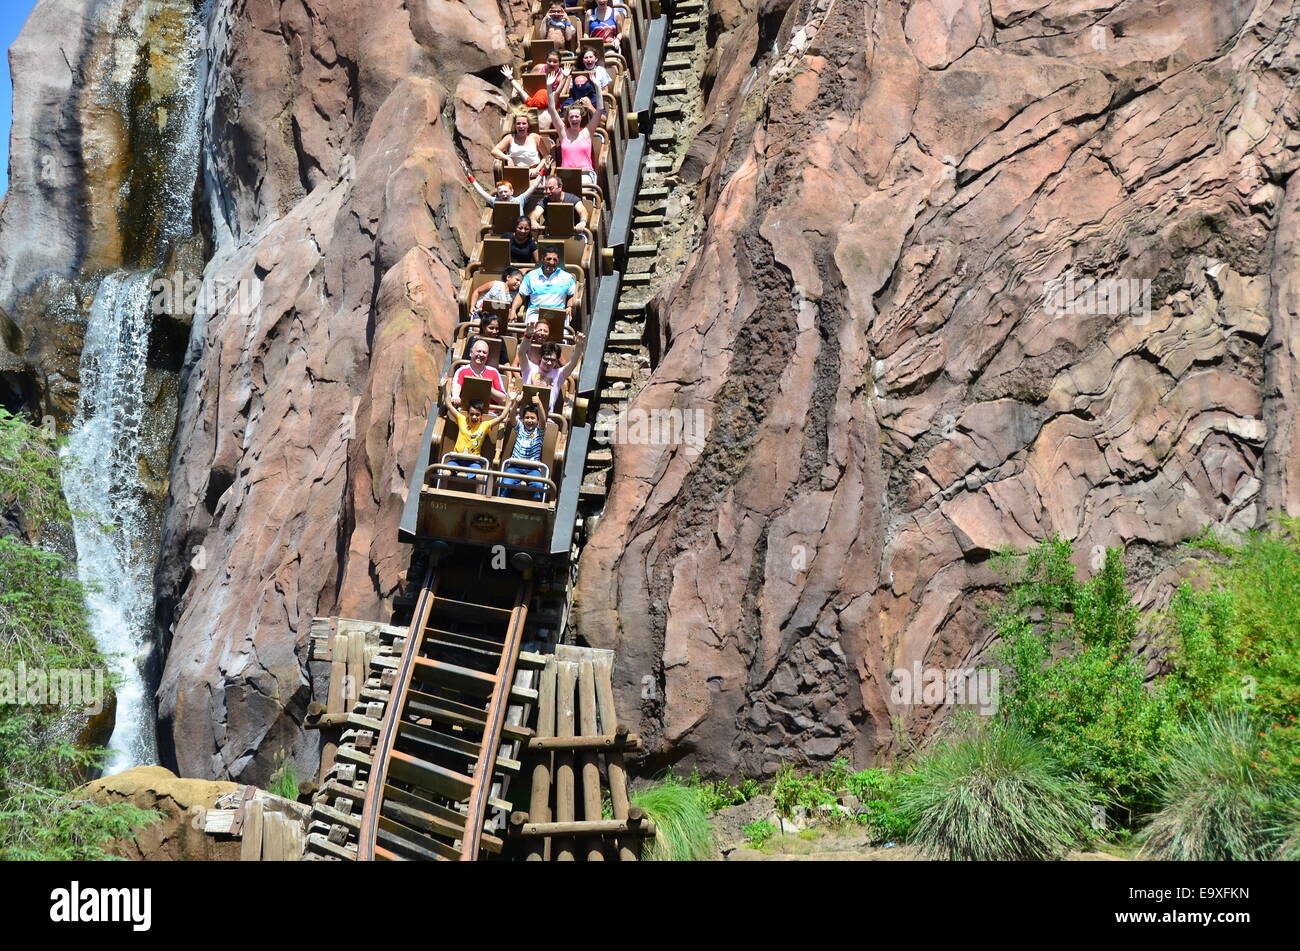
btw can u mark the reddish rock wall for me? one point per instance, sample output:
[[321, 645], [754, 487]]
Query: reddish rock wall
[[887, 189]]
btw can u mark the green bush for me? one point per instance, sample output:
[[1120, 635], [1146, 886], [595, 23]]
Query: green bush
[[791, 790], [1237, 637], [284, 781], [41, 825], [42, 610], [720, 794], [1218, 800], [29, 475], [878, 791], [758, 833], [1075, 683], [1287, 832], [995, 796], [683, 832]]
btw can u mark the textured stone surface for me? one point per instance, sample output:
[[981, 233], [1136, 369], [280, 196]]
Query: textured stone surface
[[42, 226], [177, 835], [892, 393]]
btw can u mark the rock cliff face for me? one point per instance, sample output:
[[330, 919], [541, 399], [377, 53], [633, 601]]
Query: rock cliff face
[[890, 321], [894, 387]]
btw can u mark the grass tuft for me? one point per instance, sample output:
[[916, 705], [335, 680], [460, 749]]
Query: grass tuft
[[994, 796], [284, 781], [1217, 800], [683, 830]]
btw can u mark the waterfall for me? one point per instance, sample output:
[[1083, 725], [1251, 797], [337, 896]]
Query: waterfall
[[155, 82], [101, 479]]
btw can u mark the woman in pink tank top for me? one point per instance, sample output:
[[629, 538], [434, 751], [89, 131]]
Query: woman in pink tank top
[[577, 142]]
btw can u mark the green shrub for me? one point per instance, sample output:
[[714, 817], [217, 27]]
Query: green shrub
[[1286, 832], [1218, 801], [720, 794], [41, 825], [1075, 683], [758, 833], [42, 610], [791, 791], [29, 474], [682, 827], [284, 781], [878, 791], [994, 796], [1237, 637]]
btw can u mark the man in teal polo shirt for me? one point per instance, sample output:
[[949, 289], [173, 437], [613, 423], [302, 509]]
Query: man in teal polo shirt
[[547, 286]]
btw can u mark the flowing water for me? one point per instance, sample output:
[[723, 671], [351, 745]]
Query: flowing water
[[115, 550], [115, 521]]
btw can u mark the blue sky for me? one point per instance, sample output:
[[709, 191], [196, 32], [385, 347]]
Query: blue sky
[[13, 14]]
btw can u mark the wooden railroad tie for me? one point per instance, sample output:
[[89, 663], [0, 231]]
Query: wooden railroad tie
[[576, 731]]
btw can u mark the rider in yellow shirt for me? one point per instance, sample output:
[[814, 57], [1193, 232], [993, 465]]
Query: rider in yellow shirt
[[474, 426]]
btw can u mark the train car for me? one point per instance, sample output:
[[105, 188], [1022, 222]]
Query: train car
[[477, 498]]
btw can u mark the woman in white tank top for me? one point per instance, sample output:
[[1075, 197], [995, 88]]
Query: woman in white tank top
[[520, 148]]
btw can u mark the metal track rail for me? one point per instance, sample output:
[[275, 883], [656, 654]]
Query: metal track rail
[[438, 756]]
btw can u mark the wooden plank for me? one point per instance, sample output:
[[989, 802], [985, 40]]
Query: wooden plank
[[530, 661], [397, 837], [463, 678], [272, 837], [439, 779], [356, 667], [218, 821], [590, 768], [350, 755], [337, 720], [334, 789], [250, 849], [245, 796], [444, 821], [322, 844], [467, 640], [539, 805], [614, 763], [605, 742], [566, 682], [335, 817], [469, 611], [293, 843], [447, 742], [596, 828], [338, 675], [334, 701]]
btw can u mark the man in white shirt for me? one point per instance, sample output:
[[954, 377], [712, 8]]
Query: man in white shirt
[[546, 286]]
